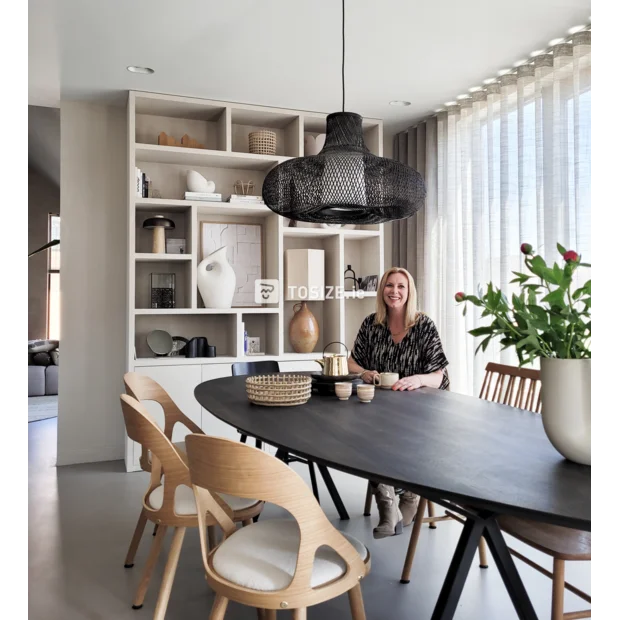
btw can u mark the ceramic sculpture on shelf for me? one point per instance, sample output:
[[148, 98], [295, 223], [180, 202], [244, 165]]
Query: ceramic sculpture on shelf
[[197, 183], [216, 280], [303, 330]]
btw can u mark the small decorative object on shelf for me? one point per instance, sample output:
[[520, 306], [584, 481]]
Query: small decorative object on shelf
[[153, 193], [160, 342], [253, 346], [203, 196], [199, 347], [197, 184], [175, 246], [163, 289], [351, 283], [246, 189], [158, 224], [165, 140], [216, 280], [247, 199], [303, 330], [369, 283], [278, 390], [262, 142], [178, 346]]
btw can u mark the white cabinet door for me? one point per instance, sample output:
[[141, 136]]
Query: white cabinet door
[[303, 366], [210, 424], [179, 382]]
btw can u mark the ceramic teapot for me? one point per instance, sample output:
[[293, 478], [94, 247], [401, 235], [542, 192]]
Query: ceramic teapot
[[335, 364]]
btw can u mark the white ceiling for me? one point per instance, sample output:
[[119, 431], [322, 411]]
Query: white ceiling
[[287, 53]]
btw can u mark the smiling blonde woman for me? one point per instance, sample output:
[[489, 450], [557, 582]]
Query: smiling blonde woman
[[397, 338]]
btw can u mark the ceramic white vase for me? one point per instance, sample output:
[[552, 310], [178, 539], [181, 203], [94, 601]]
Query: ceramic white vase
[[565, 386], [197, 183], [216, 280]]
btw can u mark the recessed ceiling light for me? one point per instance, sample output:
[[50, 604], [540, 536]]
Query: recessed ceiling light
[[575, 29], [459, 97], [475, 89], [146, 70], [556, 42], [519, 63], [447, 103], [402, 104], [504, 72], [537, 53], [438, 110], [489, 81]]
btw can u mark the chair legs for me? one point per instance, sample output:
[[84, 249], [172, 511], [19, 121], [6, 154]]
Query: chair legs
[[219, 608], [135, 540], [431, 515], [357, 603], [169, 572], [482, 552], [300, 614], [413, 542], [150, 565], [557, 596], [368, 503], [243, 438]]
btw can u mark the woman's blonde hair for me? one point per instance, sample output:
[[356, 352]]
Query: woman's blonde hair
[[411, 309]]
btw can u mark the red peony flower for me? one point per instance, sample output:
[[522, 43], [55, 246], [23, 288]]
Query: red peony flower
[[526, 248], [460, 297], [571, 256]]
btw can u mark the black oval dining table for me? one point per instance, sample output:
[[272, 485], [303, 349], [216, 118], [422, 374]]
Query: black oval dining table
[[475, 457]]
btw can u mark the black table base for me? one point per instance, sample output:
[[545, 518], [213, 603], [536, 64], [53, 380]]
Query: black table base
[[287, 458], [479, 524]]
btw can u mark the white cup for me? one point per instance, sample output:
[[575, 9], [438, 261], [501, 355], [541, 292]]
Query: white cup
[[365, 392], [385, 380], [344, 390]]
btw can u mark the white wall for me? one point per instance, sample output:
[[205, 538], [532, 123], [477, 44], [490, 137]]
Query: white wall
[[93, 198]]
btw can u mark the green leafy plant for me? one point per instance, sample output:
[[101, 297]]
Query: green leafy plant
[[549, 318]]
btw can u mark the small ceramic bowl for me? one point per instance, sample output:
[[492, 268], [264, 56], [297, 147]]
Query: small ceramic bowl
[[344, 390], [365, 393]]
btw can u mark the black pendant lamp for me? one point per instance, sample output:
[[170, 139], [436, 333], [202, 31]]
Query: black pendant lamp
[[345, 183]]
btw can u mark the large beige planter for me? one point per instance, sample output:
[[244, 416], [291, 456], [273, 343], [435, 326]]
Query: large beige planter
[[566, 406]]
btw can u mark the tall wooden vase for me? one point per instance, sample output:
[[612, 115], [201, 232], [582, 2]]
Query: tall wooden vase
[[303, 330]]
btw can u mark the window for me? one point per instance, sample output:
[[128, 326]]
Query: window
[[53, 280]]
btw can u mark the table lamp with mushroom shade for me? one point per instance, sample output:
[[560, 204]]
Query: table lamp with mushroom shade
[[158, 224]]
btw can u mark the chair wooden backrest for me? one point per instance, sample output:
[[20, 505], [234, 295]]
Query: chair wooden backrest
[[143, 429], [509, 385], [255, 368], [223, 466], [144, 388]]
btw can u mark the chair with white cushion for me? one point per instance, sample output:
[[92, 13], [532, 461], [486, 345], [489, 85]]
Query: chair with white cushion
[[169, 500], [272, 564]]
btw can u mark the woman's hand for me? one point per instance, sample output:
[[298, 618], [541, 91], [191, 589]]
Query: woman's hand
[[368, 376], [408, 383]]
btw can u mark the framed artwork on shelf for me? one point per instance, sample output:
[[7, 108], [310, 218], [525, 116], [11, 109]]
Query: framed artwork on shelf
[[244, 252], [369, 283]]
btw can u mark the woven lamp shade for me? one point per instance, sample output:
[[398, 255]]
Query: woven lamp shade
[[345, 183]]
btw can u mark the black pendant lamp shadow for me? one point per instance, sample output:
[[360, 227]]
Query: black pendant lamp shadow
[[345, 183]]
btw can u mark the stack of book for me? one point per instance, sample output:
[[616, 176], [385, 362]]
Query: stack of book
[[206, 196], [255, 200]]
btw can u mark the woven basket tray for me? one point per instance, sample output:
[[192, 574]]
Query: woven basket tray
[[278, 390]]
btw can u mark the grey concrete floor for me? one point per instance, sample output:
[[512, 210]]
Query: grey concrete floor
[[81, 519]]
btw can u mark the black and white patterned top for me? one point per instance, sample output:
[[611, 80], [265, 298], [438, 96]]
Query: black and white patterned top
[[418, 353]]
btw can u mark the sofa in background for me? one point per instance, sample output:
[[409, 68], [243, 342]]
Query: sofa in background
[[43, 360]]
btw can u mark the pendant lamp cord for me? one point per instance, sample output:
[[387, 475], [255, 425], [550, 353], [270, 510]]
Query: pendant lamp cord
[[343, 55]]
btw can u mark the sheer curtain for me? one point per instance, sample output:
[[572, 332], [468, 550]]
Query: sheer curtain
[[507, 165]]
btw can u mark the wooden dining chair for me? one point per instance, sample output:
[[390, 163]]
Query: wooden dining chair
[[143, 388], [274, 564], [169, 501]]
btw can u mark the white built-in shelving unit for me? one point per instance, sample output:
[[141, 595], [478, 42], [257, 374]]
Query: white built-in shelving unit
[[223, 128]]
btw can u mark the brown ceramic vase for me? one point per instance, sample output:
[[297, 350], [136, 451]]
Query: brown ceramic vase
[[303, 330]]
